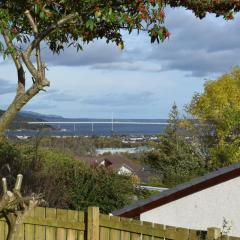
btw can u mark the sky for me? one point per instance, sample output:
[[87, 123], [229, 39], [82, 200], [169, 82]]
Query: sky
[[141, 81]]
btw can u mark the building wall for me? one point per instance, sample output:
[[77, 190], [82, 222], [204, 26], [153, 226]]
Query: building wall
[[206, 208], [124, 170]]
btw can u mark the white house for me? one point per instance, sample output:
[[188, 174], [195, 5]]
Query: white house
[[209, 201]]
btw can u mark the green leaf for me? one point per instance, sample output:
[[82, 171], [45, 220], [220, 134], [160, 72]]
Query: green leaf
[[37, 8]]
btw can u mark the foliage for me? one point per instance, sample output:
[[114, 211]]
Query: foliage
[[103, 188], [10, 162], [66, 182], [79, 146], [175, 159], [217, 111], [92, 19]]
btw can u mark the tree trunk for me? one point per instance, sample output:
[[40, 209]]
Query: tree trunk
[[8, 117], [15, 107], [13, 231]]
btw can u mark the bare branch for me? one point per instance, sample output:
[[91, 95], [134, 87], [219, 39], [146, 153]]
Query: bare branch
[[50, 29], [4, 183], [31, 21], [17, 61], [18, 184], [38, 51]]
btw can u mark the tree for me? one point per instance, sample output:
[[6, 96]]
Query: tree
[[175, 159], [25, 24], [15, 208], [217, 111]]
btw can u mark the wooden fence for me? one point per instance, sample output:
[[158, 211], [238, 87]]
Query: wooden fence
[[59, 224]]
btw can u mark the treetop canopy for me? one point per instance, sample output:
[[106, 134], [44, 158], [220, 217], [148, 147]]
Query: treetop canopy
[[65, 22]]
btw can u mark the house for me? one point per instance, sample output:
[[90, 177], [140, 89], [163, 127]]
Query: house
[[121, 165], [212, 200]]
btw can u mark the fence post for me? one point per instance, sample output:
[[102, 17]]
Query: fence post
[[213, 233], [93, 223]]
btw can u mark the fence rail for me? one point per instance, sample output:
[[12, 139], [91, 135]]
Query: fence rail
[[59, 224]]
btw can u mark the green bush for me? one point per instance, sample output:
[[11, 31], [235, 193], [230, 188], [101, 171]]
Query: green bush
[[66, 182]]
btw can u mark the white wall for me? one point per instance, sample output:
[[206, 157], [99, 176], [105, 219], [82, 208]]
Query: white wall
[[203, 209], [124, 170]]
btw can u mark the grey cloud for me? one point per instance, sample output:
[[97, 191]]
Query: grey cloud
[[199, 47], [118, 100], [58, 96], [128, 66], [6, 87], [94, 53], [39, 106]]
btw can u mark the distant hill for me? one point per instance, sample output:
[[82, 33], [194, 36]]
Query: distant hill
[[20, 121]]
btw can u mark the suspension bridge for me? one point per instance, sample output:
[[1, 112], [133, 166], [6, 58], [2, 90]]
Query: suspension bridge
[[92, 123]]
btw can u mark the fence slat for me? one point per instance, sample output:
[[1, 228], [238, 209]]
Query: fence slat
[[61, 232], [115, 234], [6, 230], [72, 217], [93, 224], [104, 233], [125, 235], [135, 236], [81, 235], [29, 228], [145, 237], [2, 229], [39, 230], [51, 231]]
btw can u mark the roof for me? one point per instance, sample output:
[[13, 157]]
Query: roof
[[119, 160], [116, 160], [180, 191]]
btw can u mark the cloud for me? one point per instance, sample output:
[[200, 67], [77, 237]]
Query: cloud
[[37, 105], [94, 53], [59, 96], [6, 87], [199, 47], [129, 66], [118, 100]]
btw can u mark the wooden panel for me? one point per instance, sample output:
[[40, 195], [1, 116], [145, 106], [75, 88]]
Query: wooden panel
[[29, 232], [81, 235], [115, 234], [104, 233], [93, 224], [6, 229], [2, 229], [72, 217], [135, 236], [170, 232], [21, 232], [39, 230], [146, 237], [182, 234], [51, 231], [61, 232], [125, 235]]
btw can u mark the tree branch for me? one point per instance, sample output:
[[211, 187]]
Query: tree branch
[[31, 21], [15, 208], [17, 61], [42, 35], [38, 50]]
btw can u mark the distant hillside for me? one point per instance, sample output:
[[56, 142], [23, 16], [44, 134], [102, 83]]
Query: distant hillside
[[20, 122]]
